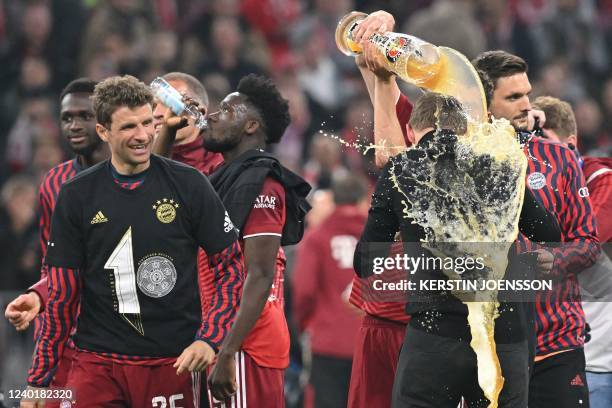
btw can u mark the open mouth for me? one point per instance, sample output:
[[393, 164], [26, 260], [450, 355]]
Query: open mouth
[[77, 139], [141, 148]]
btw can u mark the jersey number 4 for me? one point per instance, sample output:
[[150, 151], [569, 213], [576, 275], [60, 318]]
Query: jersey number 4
[[123, 281]]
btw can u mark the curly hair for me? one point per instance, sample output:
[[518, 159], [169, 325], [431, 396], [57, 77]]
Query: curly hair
[[118, 91], [273, 108]]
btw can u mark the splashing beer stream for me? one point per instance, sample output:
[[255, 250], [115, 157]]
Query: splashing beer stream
[[479, 201]]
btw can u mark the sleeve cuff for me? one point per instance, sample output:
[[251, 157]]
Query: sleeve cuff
[[40, 288]]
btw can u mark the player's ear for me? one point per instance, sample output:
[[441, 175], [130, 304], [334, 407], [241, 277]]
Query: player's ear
[[251, 126], [572, 140], [102, 132], [410, 134]]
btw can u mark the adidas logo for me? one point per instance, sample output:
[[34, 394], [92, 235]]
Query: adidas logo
[[227, 223], [577, 381], [99, 218]]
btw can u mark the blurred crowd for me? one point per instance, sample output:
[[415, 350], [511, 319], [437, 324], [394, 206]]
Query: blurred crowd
[[44, 44]]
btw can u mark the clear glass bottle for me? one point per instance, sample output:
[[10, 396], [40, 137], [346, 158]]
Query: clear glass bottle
[[173, 99]]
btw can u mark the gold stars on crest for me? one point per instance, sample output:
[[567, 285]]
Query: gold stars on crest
[[165, 210]]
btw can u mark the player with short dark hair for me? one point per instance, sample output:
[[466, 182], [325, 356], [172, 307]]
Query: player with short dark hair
[[122, 249], [555, 177], [266, 203], [78, 126]]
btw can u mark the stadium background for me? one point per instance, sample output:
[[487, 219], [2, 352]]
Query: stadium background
[[45, 44]]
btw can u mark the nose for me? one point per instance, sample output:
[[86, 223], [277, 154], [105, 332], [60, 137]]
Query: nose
[[525, 103], [158, 114], [75, 124]]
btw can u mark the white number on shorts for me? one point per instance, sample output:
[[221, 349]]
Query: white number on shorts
[[160, 402], [121, 262], [343, 249]]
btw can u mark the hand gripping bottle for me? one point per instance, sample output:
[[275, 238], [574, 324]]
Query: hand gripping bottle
[[438, 69], [173, 99]]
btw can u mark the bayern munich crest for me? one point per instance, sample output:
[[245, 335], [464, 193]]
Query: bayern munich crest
[[156, 276], [165, 210]]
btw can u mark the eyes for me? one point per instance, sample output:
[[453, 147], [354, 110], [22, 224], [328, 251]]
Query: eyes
[[83, 116], [129, 126]]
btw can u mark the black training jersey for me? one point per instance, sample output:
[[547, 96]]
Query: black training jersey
[[136, 252]]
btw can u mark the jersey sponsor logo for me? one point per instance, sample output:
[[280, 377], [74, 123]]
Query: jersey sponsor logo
[[99, 218], [583, 192], [536, 181], [156, 276], [165, 210], [227, 223], [265, 201]]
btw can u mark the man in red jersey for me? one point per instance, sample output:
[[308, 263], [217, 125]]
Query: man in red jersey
[[78, 126], [555, 177], [323, 272], [561, 127], [185, 145], [266, 203]]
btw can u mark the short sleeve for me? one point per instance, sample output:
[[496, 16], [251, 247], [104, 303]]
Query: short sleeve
[[267, 217], [65, 248], [214, 230]]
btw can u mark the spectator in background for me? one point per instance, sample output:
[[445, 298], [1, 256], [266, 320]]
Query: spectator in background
[[589, 120], [35, 125], [273, 19], [227, 53], [325, 161], [18, 233], [321, 282], [461, 29], [317, 73], [290, 150], [357, 130], [121, 28]]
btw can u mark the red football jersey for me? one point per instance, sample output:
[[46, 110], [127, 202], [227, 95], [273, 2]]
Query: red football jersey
[[598, 174], [395, 311], [268, 341], [323, 274], [195, 155]]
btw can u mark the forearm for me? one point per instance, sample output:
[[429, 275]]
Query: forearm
[[228, 271], [388, 136], [164, 141], [368, 78], [58, 321], [254, 297]]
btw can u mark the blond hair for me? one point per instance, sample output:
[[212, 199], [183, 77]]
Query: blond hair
[[559, 116]]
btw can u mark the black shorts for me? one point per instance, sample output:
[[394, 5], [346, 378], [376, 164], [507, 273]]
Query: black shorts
[[435, 372], [560, 381]]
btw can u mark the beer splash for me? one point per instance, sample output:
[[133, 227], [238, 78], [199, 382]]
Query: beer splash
[[472, 198]]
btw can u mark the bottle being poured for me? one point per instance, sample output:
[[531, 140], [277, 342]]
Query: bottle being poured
[[173, 99], [438, 69]]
